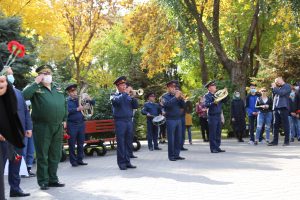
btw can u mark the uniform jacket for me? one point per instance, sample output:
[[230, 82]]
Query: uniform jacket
[[153, 109], [47, 106], [172, 106], [213, 109], [281, 96], [74, 115], [123, 105]]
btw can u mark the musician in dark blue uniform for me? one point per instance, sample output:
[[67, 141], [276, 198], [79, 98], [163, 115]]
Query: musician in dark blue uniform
[[172, 104], [151, 110], [75, 126], [123, 105], [214, 117]]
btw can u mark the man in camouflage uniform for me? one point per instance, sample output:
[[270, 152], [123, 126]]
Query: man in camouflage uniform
[[49, 113]]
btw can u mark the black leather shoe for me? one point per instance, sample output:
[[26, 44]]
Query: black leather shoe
[[180, 158], [215, 151], [131, 166], [150, 149], [272, 144], [157, 148], [44, 187], [75, 165], [286, 144], [133, 156], [221, 150], [172, 159], [123, 168], [31, 174], [18, 194], [56, 184], [183, 149], [82, 163]]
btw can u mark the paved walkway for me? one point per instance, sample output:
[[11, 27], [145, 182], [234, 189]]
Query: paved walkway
[[243, 172]]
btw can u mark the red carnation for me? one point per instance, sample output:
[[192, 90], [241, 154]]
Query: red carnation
[[12, 46], [21, 51], [66, 136], [18, 157]]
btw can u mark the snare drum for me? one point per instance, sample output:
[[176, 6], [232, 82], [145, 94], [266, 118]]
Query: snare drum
[[159, 120]]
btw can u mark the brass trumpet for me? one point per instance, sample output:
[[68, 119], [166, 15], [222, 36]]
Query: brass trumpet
[[138, 92]]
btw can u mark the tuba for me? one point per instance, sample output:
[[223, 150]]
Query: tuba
[[220, 95], [84, 101]]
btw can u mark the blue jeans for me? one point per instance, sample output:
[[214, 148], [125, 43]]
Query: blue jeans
[[263, 119], [174, 131], [294, 128], [189, 130], [28, 151]]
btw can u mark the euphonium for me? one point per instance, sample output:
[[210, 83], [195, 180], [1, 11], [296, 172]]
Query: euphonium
[[221, 94], [84, 101]]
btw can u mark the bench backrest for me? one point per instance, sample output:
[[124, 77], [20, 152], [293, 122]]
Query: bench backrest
[[99, 126]]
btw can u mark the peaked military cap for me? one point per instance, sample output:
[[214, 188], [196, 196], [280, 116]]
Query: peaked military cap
[[172, 82], [213, 82], [71, 86], [120, 80], [43, 68]]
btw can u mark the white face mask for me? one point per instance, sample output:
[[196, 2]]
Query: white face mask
[[47, 79]]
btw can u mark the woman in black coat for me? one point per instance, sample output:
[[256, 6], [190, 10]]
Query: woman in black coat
[[238, 114], [10, 125]]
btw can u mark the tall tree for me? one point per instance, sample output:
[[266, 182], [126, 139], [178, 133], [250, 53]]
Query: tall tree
[[236, 67]]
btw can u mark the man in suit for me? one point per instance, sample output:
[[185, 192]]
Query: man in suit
[[281, 92]]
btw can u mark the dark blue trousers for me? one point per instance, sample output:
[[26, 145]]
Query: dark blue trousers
[[214, 123], [14, 168], [183, 129], [152, 134], [124, 134], [281, 116], [174, 131], [76, 132]]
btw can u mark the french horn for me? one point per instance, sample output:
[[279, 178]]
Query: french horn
[[220, 95]]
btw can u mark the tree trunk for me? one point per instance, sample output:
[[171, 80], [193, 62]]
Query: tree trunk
[[238, 76], [203, 65], [77, 63]]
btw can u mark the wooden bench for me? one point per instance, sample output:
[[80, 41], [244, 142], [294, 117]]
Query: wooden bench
[[107, 127], [96, 127]]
